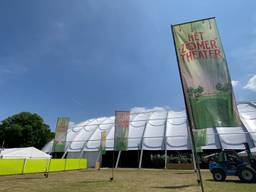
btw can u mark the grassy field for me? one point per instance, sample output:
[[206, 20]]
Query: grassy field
[[125, 180]]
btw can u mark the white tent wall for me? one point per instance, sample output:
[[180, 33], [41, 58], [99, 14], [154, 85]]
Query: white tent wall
[[48, 147], [247, 113], [79, 141], [213, 139], [232, 137], [94, 141], [91, 157], [158, 129], [177, 132], [138, 121], [154, 131]]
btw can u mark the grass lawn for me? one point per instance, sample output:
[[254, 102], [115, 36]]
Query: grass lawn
[[125, 180]]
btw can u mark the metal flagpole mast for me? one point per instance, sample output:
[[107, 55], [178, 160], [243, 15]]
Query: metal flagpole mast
[[189, 119], [199, 176], [192, 149], [113, 161], [165, 141], [113, 155]]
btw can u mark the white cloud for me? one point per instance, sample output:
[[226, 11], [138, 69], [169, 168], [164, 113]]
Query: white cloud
[[136, 110], [234, 83], [251, 85]]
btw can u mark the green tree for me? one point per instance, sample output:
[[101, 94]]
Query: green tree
[[24, 129]]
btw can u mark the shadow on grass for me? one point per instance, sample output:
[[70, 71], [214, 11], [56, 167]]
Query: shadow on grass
[[23, 178], [229, 181], [31, 178], [95, 181], [184, 173], [174, 187]]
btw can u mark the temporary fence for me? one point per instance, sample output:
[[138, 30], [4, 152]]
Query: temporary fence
[[25, 166]]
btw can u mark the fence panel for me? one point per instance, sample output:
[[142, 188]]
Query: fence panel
[[16, 166], [11, 166], [57, 165], [35, 165], [83, 164], [72, 164]]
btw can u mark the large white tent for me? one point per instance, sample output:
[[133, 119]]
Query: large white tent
[[158, 129], [23, 153]]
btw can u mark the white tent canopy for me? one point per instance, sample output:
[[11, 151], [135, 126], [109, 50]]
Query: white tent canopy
[[22, 153], [160, 129]]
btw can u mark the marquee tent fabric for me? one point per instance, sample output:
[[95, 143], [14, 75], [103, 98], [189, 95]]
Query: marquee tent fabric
[[22, 153], [159, 129]]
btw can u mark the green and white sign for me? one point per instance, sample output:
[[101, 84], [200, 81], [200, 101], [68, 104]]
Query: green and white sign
[[205, 77], [60, 134], [122, 119], [103, 142]]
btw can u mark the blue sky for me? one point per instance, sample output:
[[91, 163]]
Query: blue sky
[[88, 58]]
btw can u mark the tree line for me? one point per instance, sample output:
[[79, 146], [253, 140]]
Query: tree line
[[24, 129]]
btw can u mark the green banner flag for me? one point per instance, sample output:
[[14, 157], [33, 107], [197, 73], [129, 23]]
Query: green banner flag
[[200, 138], [122, 119], [103, 142], [205, 78], [60, 134]]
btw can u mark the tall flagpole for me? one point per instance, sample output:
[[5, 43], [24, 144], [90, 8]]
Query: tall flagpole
[[113, 154], [113, 164], [199, 177]]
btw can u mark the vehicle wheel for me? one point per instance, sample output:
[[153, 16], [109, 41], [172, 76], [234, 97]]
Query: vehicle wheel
[[247, 174], [218, 175]]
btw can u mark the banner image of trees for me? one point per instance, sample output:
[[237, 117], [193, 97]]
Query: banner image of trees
[[213, 109]]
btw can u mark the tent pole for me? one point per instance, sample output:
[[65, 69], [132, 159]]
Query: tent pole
[[141, 144], [118, 157], [24, 166], [141, 156], [66, 151], [165, 142], [46, 174], [165, 156], [82, 149], [247, 134], [99, 155]]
